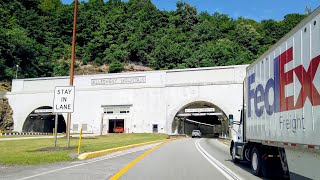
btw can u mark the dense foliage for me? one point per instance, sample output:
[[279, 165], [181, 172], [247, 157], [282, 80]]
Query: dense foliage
[[115, 66], [36, 35]]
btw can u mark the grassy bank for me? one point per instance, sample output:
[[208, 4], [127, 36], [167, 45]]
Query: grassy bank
[[37, 151]]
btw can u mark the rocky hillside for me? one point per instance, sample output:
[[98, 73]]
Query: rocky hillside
[[6, 120], [5, 86], [104, 69]]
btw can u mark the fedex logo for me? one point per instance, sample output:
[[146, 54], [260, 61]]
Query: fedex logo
[[281, 102]]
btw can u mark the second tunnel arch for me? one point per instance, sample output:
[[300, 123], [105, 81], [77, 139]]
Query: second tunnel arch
[[212, 122]]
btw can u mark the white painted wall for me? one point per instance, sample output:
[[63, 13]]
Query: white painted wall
[[155, 100]]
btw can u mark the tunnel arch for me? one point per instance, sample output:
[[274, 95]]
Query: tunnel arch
[[218, 123], [42, 120]]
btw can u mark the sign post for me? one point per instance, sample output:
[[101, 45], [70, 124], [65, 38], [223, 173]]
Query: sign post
[[55, 130], [101, 124], [64, 103]]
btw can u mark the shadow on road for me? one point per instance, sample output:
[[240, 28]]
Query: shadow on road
[[210, 136], [245, 165]]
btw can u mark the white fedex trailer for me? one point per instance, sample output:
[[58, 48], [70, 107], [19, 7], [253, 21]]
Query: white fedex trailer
[[279, 130]]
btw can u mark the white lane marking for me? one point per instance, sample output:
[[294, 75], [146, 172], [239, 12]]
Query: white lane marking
[[89, 162], [218, 165]]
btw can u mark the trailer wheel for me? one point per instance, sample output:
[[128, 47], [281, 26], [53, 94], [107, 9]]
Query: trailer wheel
[[233, 154], [256, 162]]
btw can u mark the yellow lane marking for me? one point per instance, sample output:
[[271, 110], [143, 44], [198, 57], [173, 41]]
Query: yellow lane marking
[[127, 167], [227, 143]]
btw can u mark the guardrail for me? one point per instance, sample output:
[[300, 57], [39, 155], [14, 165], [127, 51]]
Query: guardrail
[[22, 133]]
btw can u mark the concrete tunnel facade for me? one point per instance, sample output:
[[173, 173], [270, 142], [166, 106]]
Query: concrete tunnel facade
[[141, 102]]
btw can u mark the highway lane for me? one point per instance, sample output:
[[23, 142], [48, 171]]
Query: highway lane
[[189, 159], [221, 153], [176, 160]]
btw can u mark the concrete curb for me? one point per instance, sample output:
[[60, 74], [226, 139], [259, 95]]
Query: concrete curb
[[94, 154], [225, 141]]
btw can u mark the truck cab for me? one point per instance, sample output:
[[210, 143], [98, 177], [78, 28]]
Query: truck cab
[[266, 161], [237, 138]]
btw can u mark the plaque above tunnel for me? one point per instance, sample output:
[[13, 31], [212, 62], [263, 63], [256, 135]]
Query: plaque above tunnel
[[199, 112]]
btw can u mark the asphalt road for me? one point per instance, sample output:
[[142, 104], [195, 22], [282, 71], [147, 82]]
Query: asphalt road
[[181, 159], [189, 159]]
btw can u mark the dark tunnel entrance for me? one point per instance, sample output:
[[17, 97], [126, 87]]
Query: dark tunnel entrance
[[42, 120], [203, 116]]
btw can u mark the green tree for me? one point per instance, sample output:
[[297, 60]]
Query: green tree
[[16, 48], [170, 49], [247, 36], [271, 31], [37, 35], [61, 68], [205, 31], [219, 53], [115, 67], [116, 53], [290, 21], [185, 16]]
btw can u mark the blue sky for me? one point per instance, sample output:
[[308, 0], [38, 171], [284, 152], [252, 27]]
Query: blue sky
[[253, 9]]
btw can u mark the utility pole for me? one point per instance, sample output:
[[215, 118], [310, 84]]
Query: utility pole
[[72, 62], [17, 71]]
